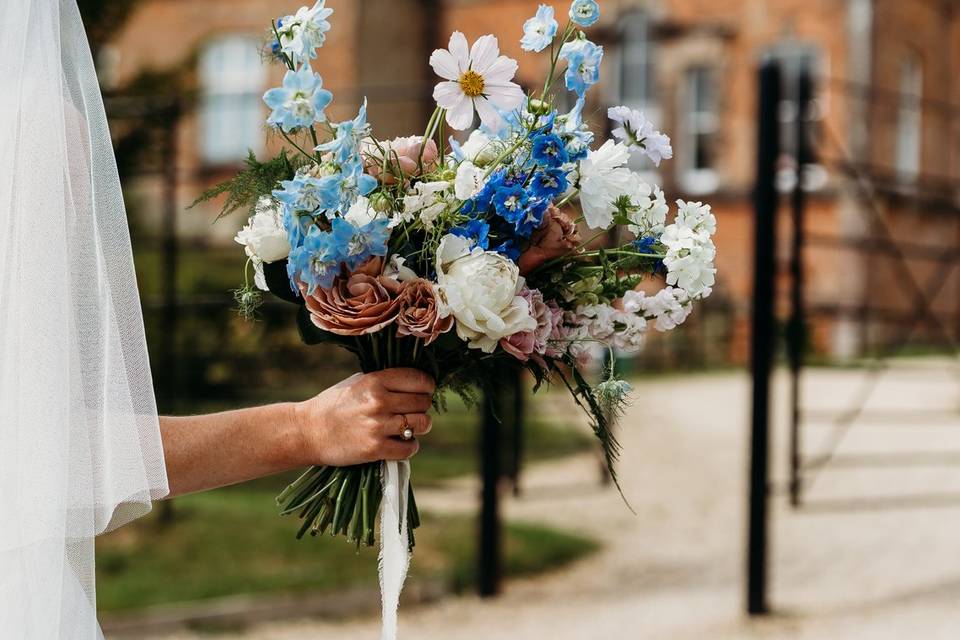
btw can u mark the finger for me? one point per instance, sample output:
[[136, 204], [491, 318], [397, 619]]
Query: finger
[[419, 423], [408, 402], [405, 380], [394, 449]]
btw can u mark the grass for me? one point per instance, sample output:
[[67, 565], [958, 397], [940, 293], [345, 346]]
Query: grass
[[232, 541]]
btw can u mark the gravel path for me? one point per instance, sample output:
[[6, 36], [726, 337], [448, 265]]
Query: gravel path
[[855, 563]]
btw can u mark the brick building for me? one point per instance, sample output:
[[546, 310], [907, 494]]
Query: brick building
[[886, 79]]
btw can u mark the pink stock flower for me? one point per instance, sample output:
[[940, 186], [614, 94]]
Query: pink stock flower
[[527, 344]]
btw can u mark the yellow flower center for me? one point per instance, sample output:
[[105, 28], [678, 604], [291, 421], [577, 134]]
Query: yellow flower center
[[472, 84]]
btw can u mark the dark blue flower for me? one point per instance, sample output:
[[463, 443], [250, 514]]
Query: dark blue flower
[[548, 150], [645, 245], [481, 202], [549, 183], [509, 248], [510, 202], [476, 230], [532, 217]]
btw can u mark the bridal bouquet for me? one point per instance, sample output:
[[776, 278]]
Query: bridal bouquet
[[521, 244]]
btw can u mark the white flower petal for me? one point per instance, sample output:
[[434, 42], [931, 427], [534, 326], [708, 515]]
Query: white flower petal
[[488, 115], [507, 96], [460, 50], [484, 53], [448, 94], [444, 64], [460, 115], [502, 70]]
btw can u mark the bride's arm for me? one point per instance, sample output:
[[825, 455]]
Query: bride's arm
[[356, 421]]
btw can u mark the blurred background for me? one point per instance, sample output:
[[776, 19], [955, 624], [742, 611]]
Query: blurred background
[[836, 475]]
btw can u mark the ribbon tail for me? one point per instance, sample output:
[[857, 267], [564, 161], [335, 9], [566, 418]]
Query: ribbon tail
[[394, 541]]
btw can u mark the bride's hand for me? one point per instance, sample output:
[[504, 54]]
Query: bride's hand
[[361, 418]]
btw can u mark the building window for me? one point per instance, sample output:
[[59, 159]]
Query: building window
[[634, 81], [232, 82], [909, 114], [700, 124]]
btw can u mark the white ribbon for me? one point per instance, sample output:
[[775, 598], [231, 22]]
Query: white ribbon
[[394, 541]]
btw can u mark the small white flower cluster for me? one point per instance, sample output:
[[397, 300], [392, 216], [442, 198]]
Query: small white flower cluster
[[690, 249], [667, 309], [650, 216], [637, 132], [622, 329], [426, 202]]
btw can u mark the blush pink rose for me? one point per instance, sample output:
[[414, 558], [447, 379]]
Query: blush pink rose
[[557, 236], [402, 157]]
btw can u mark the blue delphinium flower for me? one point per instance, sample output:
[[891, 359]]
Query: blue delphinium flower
[[355, 245], [576, 136], [531, 217], [475, 230], [509, 248], [315, 263], [481, 202], [346, 145], [510, 202], [299, 102], [585, 12], [583, 64], [308, 194], [538, 31], [301, 34], [297, 226], [548, 150], [645, 245], [549, 183], [353, 183]]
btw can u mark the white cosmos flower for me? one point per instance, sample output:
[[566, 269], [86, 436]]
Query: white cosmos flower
[[603, 179], [478, 77], [480, 289]]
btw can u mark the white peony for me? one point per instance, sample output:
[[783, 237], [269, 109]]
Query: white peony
[[264, 238], [469, 180], [603, 179], [480, 290]]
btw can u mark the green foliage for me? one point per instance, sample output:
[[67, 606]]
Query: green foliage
[[254, 180]]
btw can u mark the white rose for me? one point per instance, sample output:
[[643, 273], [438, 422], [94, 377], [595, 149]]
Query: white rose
[[479, 288], [264, 237]]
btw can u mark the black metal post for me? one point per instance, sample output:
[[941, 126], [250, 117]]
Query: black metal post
[[517, 431], [490, 530], [765, 205], [796, 330], [168, 334]]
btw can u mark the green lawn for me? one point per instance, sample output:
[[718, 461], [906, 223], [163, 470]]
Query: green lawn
[[232, 541]]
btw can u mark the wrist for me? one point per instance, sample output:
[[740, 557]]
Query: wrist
[[295, 441]]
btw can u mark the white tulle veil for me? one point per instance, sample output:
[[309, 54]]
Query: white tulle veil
[[80, 449]]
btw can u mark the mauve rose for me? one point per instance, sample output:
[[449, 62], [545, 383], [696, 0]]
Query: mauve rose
[[404, 152], [363, 302], [556, 345], [418, 312], [557, 236], [527, 344]]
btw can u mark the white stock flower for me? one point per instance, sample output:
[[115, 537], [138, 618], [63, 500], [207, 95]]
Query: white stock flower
[[696, 216], [361, 212], [668, 308], [689, 259], [476, 78], [597, 319], [651, 214], [427, 202], [603, 179], [470, 179], [302, 33], [629, 337], [480, 290], [638, 132]]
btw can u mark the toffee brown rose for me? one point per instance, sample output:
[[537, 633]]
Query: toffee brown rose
[[363, 302], [557, 236], [418, 314]]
